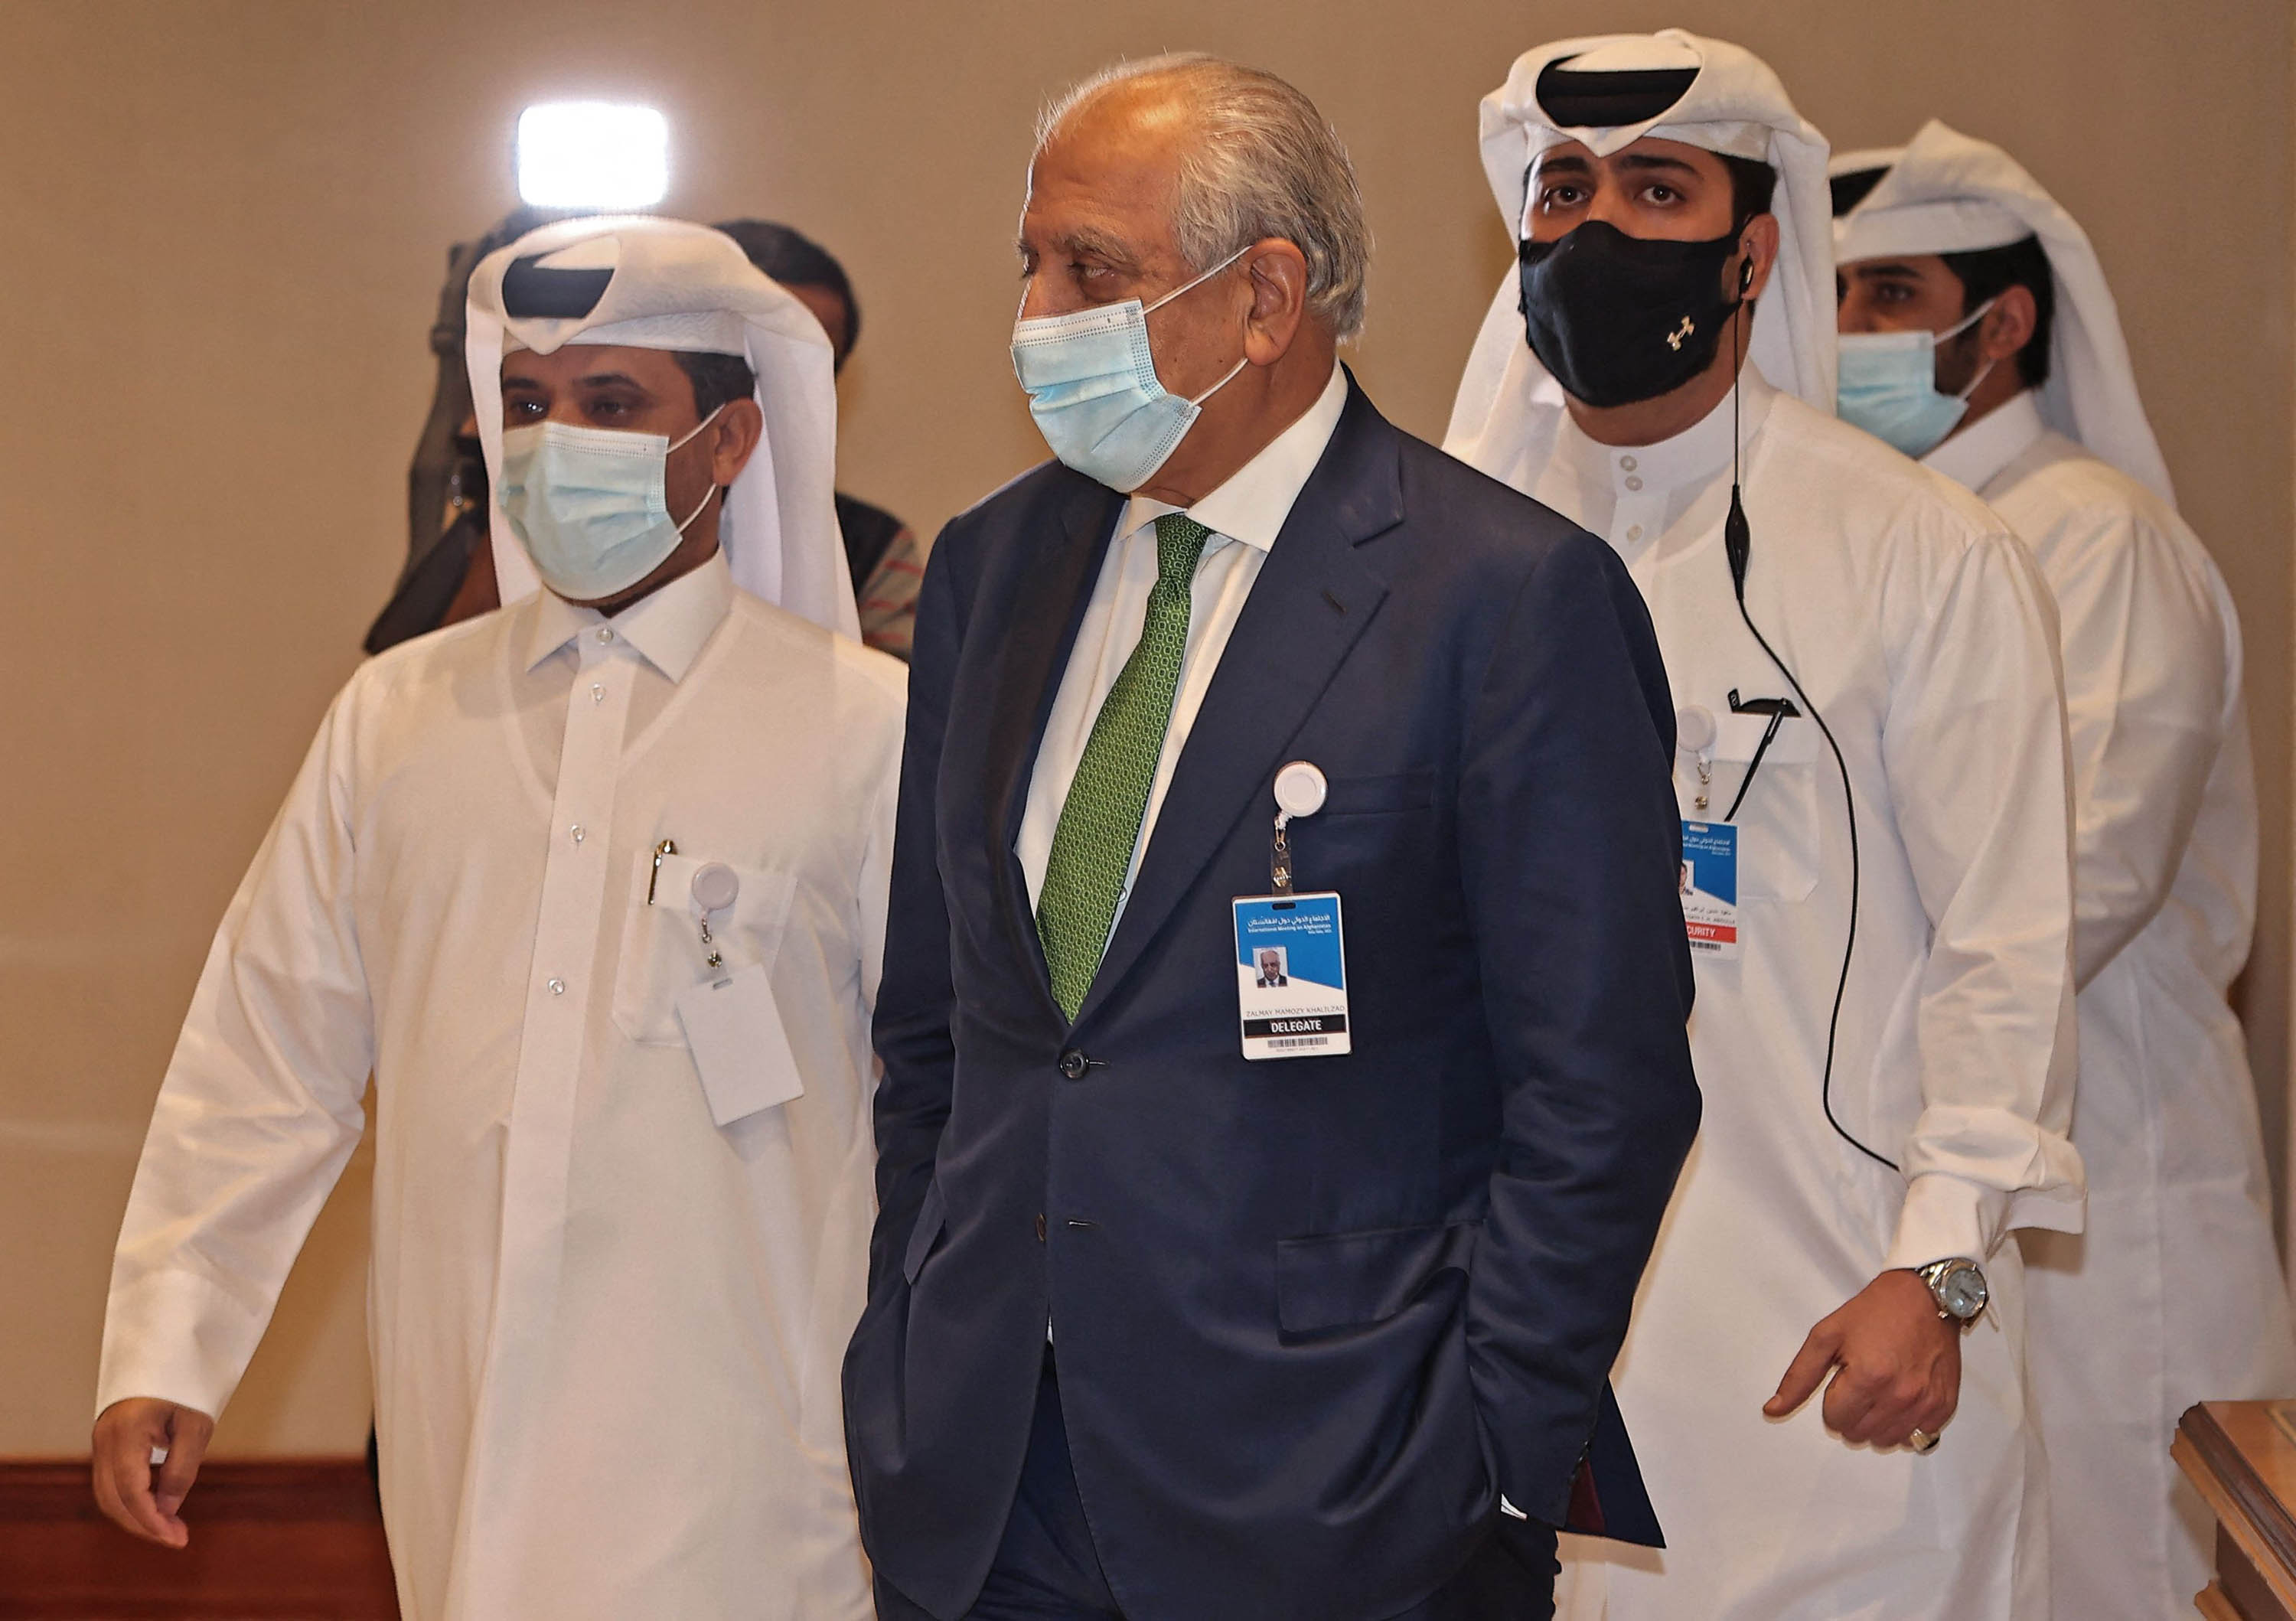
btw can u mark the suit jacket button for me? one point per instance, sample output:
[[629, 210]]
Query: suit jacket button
[[1073, 1064], [1040, 1226]]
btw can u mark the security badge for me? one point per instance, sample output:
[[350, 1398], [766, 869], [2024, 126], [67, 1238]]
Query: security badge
[[1291, 955], [733, 1025], [1708, 879]]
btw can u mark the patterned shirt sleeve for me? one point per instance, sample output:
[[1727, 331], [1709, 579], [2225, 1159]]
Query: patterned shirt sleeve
[[889, 596]]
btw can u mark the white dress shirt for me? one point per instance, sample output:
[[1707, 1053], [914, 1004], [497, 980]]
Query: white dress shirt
[[606, 1331], [1244, 515]]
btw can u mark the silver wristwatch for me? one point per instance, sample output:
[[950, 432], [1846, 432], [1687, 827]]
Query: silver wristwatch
[[1957, 1284]]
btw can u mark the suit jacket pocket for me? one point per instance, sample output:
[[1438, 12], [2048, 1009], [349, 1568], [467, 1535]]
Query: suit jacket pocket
[[1346, 1280], [1372, 796], [932, 1216]]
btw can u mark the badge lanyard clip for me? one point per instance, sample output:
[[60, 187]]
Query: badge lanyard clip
[[1693, 734], [1300, 789], [715, 888]]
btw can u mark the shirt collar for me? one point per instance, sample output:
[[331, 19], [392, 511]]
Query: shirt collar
[[1974, 457], [1251, 506], [669, 627], [1693, 456]]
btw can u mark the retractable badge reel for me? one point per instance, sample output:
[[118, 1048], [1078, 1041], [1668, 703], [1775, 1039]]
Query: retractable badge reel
[[715, 890], [1290, 956], [1695, 732], [716, 886], [1300, 790]]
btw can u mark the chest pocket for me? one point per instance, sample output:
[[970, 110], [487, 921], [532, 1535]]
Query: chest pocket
[[661, 943], [1781, 826]]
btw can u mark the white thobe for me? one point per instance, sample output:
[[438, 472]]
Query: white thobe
[[606, 1332], [1922, 632], [2173, 1294]]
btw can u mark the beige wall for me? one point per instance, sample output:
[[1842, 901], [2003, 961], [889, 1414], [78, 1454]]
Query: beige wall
[[221, 231]]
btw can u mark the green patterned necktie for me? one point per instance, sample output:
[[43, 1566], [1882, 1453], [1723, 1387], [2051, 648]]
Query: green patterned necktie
[[1100, 820]]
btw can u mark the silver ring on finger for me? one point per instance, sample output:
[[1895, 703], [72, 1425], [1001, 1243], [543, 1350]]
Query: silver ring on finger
[[1922, 1442]]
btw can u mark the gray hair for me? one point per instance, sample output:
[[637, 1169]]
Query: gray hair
[[1264, 164]]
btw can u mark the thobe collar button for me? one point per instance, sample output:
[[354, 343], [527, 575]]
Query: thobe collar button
[[576, 830], [558, 987], [1633, 482], [605, 633], [1629, 462]]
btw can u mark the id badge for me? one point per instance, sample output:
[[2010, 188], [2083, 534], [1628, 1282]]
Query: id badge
[[1291, 976], [735, 1031], [1709, 889]]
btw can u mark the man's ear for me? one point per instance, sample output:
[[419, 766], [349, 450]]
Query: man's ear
[[1759, 238], [734, 436], [1278, 272], [2009, 325]]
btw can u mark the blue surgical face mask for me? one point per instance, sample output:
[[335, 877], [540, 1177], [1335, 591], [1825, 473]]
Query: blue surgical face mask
[[591, 503], [1886, 383], [1093, 389]]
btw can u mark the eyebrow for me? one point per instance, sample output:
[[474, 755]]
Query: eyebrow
[[1886, 267], [1656, 160], [588, 380], [1100, 244]]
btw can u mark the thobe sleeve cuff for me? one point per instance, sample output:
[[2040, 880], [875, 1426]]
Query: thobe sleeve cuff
[[1943, 1216], [175, 1336]]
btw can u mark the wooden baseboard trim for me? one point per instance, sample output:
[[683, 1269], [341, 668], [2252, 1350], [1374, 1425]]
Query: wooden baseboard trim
[[270, 1538]]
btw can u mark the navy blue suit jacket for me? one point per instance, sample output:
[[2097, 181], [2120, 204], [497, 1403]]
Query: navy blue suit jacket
[[1313, 1314]]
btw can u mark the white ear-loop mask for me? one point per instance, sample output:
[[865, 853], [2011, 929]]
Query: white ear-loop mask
[[592, 504], [1094, 391]]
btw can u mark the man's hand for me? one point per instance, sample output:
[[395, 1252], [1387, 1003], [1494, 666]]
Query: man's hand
[[1899, 1361], [126, 1486]]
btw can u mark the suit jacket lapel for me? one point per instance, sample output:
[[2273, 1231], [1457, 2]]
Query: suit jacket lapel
[[1313, 596], [1036, 640]]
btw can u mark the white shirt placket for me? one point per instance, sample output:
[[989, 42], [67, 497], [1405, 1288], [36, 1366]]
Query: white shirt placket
[[1639, 514], [539, 1150]]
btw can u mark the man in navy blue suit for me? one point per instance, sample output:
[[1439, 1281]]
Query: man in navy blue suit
[[1193, 1297]]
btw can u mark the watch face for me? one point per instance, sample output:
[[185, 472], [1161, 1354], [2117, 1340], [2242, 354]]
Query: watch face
[[1962, 1291]]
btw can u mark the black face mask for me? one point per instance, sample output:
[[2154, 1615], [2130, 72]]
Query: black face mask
[[1621, 318]]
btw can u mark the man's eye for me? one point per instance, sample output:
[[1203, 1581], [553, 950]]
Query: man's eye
[[1561, 197], [1663, 194], [1892, 292]]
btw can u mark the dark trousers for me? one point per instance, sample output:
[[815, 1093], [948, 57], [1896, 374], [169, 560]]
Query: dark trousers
[[1047, 1569]]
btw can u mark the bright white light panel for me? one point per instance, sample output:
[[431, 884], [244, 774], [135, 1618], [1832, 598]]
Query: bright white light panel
[[592, 155]]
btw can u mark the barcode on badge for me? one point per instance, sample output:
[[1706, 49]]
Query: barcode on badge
[[1300, 1040]]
